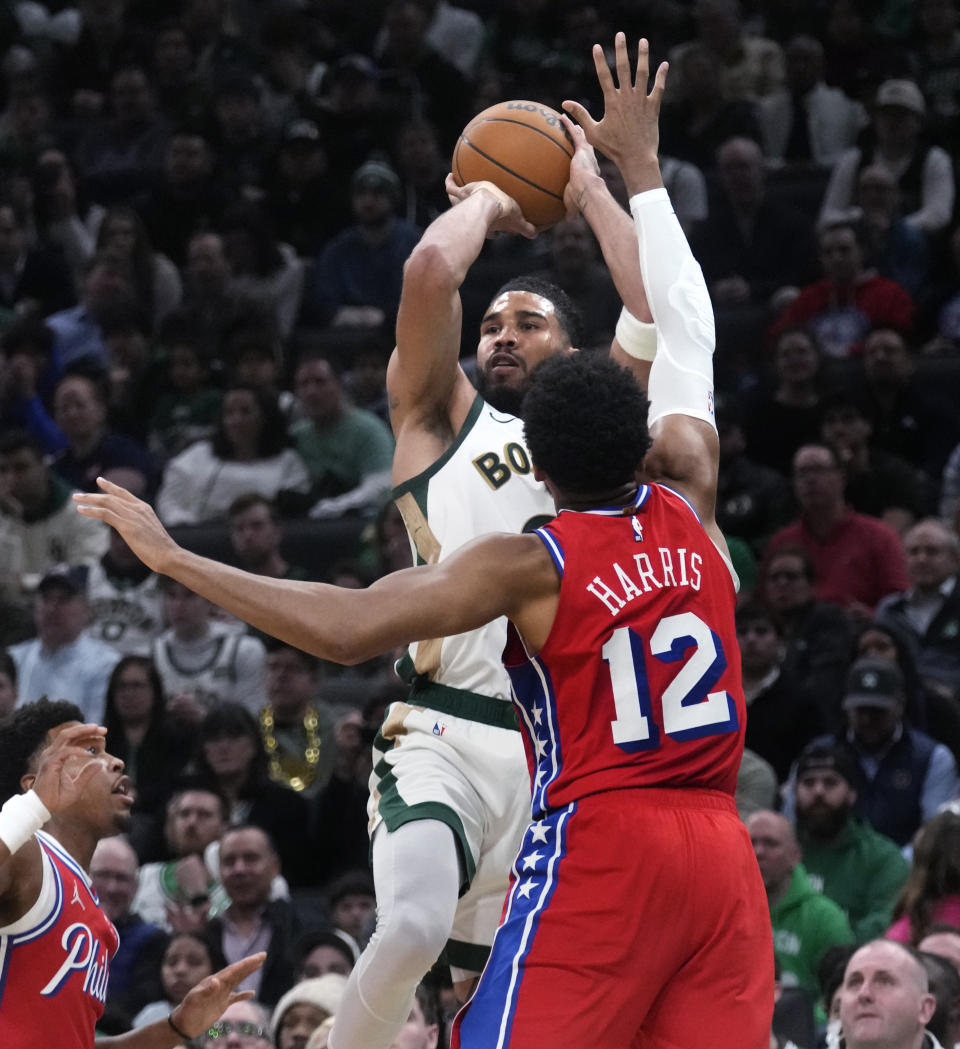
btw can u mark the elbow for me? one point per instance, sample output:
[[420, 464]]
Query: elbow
[[431, 270]]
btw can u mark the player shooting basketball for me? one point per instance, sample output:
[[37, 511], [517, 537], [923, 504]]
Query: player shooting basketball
[[623, 660]]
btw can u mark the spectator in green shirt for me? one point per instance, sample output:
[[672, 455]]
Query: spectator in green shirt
[[805, 922], [348, 451], [845, 858]]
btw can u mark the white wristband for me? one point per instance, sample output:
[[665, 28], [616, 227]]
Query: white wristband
[[637, 339], [21, 816]]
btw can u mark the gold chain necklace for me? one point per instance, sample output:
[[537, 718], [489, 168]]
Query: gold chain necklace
[[292, 769]]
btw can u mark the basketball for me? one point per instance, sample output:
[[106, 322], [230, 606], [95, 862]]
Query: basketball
[[523, 149]]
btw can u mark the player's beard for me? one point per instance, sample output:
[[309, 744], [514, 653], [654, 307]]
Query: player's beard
[[506, 399]]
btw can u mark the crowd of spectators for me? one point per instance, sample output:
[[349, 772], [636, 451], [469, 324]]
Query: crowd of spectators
[[205, 206]]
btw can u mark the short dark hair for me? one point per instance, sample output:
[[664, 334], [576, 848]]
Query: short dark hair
[[350, 883], [756, 612], [244, 502], [17, 440], [585, 421], [29, 334], [23, 734], [800, 553], [306, 944], [567, 313]]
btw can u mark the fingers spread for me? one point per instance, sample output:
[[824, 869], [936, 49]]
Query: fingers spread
[[603, 70]]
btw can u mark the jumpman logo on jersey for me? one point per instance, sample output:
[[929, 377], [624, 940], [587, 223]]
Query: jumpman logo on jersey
[[76, 896]]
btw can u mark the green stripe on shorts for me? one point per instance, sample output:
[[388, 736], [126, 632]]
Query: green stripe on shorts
[[395, 812]]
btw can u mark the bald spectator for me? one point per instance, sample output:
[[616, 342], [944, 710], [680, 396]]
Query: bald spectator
[[857, 559], [740, 244], [135, 966], [806, 121], [805, 923], [245, 1024], [348, 451], [751, 65], [885, 999], [929, 611]]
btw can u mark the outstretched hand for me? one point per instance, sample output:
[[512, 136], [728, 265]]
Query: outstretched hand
[[628, 132], [133, 519], [510, 219], [207, 1001], [68, 764]]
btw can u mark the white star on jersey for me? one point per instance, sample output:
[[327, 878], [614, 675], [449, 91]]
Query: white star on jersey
[[537, 713], [526, 888], [540, 745], [530, 862], [538, 832]]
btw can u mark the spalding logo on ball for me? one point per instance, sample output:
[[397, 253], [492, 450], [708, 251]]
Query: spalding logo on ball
[[523, 149]]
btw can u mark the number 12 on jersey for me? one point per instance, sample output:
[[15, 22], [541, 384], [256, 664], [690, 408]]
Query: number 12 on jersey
[[689, 708]]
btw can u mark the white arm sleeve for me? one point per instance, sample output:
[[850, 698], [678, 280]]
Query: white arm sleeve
[[681, 376]]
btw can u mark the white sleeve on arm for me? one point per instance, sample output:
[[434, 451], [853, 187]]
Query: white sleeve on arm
[[681, 376]]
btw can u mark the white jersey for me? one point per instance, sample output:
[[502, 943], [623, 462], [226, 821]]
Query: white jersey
[[127, 617], [483, 483], [225, 665]]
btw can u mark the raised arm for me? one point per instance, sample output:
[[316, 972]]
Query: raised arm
[[497, 575], [424, 378], [685, 451], [635, 343]]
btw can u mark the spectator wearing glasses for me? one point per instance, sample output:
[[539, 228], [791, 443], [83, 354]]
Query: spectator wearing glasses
[[244, 1025], [817, 636], [858, 559]]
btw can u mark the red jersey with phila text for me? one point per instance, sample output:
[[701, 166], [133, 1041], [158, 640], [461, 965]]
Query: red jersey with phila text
[[638, 683], [54, 961]]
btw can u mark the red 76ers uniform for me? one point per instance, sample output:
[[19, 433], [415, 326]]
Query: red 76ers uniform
[[636, 916], [54, 961]]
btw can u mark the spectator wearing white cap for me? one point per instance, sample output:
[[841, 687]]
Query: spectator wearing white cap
[[894, 140], [303, 1008]]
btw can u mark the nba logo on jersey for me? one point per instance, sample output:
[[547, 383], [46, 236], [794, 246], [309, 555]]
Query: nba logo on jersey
[[710, 401], [637, 530], [438, 729]]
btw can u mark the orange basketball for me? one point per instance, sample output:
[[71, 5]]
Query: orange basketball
[[523, 149]]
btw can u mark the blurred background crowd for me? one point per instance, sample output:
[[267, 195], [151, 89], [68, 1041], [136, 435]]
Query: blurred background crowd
[[205, 206]]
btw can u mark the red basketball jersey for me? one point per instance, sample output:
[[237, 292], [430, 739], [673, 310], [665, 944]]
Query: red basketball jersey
[[638, 684], [55, 960]]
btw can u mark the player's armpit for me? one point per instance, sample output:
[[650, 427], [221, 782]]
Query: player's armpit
[[685, 455]]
